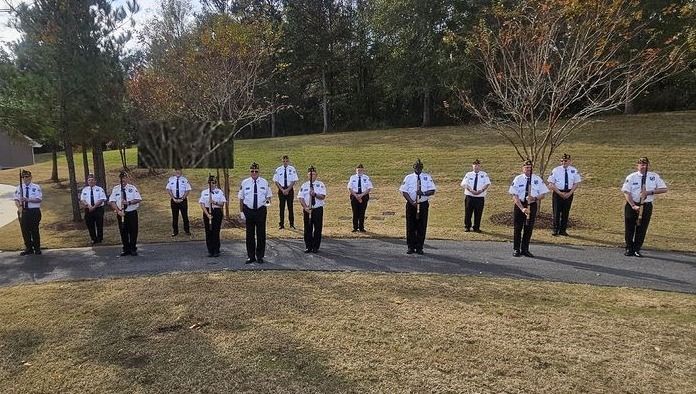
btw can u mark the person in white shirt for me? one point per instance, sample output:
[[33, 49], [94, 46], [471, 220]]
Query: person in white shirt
[[312, 196], [416, 189], [178, 188], [27, 198], [125, 200], [639, 190], [359, 188], [285, 177], [92, 200], [212, 202], [475, 184], [254, 196], [526, 190], [563, 181]]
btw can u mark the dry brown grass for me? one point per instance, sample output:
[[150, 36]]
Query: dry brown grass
[[337, 332], [605, 154]]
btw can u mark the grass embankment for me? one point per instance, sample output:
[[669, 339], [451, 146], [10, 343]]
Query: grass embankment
[[338, 332], [605, 153]]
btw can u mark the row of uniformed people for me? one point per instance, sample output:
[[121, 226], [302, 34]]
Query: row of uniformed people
[[255, 195]]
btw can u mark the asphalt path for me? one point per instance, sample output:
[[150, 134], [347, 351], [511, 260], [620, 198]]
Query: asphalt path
[[672, 271]]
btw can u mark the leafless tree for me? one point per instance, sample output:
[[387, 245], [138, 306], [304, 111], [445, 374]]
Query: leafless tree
[[552, 65]]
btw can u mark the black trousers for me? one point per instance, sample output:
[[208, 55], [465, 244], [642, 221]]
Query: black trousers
[[286, 200], [523, 229], [255, 232], [359, 211], [31, 217], [128, 225], [312, 228], [212, 231], [473, 206], [416, 227], [176, 208], [635, 234], [561, 211], [95, 224]]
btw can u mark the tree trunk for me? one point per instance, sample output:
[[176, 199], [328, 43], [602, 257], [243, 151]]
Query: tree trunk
[[273, 125], [324, 101], [69, 157], [85, 161], [54, 159], [629, 109], [98, 162], [427, 104], [122, 153]]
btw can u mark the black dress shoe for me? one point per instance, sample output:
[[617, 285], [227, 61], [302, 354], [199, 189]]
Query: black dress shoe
[[134, 253], [249, 261], [419, 251], [315, 250], [124, 254], [565, 234], [37, 251], [628, 253], [308, 250], [410, 251], [362, 230], [637, 253], [466, 230], [527, 254], [355, 230], [555, 233], [260, 261], [216, 254], [292, 226], [281, 227], [175, 234], [477, 230], [516, 253], [26, 252]]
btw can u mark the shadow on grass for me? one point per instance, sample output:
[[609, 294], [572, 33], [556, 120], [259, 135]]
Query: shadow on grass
[[18, 346]]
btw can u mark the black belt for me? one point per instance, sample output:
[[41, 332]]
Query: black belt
[[565, 190], [257, 209], [28, 209]]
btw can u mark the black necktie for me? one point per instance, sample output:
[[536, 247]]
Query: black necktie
[[91, 196], [256, 200], [26, 196], [177, 188], [528, 188], [359, 184], [566, 180], [418, 185], [314, 200], [475, 181], [285, 178]]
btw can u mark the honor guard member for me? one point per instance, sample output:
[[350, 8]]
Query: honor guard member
[[359, 186], [212, 201], [178, 188], [312, 196], [563, 181], [639, 190], [527, 189], [28, 199], [475, 185], [125, 200], [417, 189], [254, 196], [285, 177], [92, 200]]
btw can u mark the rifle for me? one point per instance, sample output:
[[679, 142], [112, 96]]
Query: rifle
[[529, 209], [641, 204], [418, 191], [312, 200], [210, 197], [21, 193]]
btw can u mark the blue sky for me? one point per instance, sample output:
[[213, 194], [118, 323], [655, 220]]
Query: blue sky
[[147, 10]]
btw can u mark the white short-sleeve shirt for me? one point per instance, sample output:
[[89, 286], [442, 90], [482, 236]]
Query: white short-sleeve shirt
[[558, 175], [246, 192], [410, 185], [282, 173], [469, 180], [632, 185], [319, 188], [519, 184], [132, 193]]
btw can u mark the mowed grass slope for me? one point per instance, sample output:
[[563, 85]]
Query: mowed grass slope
[[343, 332], [604, 153]]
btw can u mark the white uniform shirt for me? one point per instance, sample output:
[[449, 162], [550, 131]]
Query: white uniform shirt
[[519, 184], [410, 185], [31, 191], [319, 188], [132, 193], [652, 182], [469, 180], [99, 194], [246, 192], [218, 198], [280, 174], [184, 185], [557, 177], [365, 183]]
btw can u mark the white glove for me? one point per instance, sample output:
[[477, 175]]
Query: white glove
[[241, 216]]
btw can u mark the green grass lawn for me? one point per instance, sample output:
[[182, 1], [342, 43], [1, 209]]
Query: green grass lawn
[[343, 332], [604, 153]]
